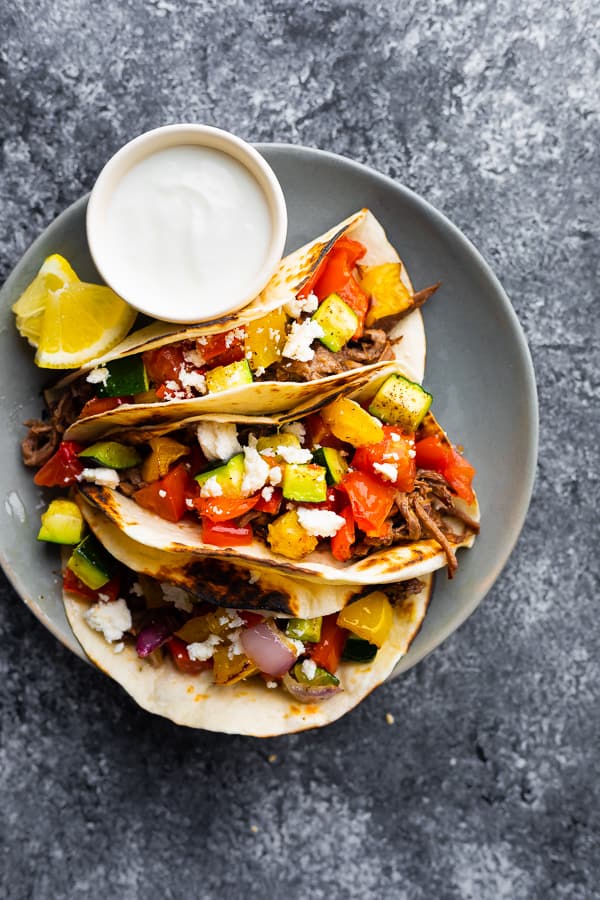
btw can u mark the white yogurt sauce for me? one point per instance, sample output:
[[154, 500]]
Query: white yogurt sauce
[[184, 223]]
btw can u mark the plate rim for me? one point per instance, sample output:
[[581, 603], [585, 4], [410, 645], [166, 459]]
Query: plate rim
[[528, 473]]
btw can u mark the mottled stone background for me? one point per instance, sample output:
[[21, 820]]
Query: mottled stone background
[[486, 786]]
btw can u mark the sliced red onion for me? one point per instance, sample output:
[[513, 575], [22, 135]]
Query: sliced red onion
[[307, 694], [268, 649], [154, 636]]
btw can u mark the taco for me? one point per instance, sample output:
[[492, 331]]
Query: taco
[[237, 671], [342, 302], [368, 490]]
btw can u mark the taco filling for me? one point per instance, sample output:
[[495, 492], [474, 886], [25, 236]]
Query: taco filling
[[345, 481]]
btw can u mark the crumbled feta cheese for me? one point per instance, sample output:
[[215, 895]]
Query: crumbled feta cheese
[[118, 648], [189, 502], [309, 668], [297, 645], [194, 358], [388, 471], [319, 522], [271, 684], [268, 451], [162, 492], [195, 380], [294, 454], [203, 341], [256, 471], [295, 428], [236, 648], [267, 493], [252, 440], [275, 475], [112, 619], [254, 576], [211, 488], [412, 453], [395, 436], [104, 597], [174, 392], [177, 596], [136, 589], [98, 376], [259, 371], [300, 338], [294, 308], [203, 650], [218, 440], [103, 477]]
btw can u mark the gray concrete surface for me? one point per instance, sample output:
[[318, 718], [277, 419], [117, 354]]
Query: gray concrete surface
[[486, 785]]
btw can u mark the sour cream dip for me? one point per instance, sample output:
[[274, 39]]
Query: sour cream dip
[[187, 223]]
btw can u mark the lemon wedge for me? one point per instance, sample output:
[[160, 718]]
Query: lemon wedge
[[80, 323], [54, 275], [69, 321]]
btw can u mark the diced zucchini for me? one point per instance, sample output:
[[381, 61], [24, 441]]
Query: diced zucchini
[[112, 454], [229, 476], [222, 378], [401, 402], [305, 629], [282, 439], [358, 650], [91, 563], [351, 423], [287, 537], [126, 376], [335, 464], [304, 482], [338, 321], [321, 677], [62, 523]]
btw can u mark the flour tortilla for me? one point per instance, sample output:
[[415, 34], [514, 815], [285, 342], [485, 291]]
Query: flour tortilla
[[407, 336], [249, 707]]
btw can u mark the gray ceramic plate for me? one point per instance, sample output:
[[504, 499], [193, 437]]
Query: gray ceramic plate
[[478, 369]]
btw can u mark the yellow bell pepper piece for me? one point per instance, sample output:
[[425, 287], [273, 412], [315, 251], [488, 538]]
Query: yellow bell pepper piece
[[228, 670], [370, 618], [389, 294], [351, 423], [164, 452], [265, 339], [287, 537]]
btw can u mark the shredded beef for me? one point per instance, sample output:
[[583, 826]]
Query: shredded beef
[[46, 434], [398, 592], [372, 347]]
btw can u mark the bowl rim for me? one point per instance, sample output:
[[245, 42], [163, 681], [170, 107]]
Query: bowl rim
[[164, 137]]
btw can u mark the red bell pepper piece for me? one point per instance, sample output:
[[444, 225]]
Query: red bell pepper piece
[[164, 363], [371, 501], [271, 506], [433, 453], [395, 450], [222, 349], [317, 432], [62, 468], [224, 509], [178, 650], [341, 543], [226, 534], [336, 277], [98, 405], [167, 496], [328, 652], [109, 591]]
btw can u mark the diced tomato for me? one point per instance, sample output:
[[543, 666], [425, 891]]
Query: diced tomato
[[328, 652], [371, 501], [167, 496], [393, 450], [432, 453], [317, 432], [62, 468], [224, 509], [109, 591], [341, 543], [164, 363], [222, 349], [178, 650], [250, 618], [270, 506], [98, 405], [226, 534]]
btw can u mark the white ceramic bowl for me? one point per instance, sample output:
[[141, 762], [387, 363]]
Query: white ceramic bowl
[[101, 246]]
